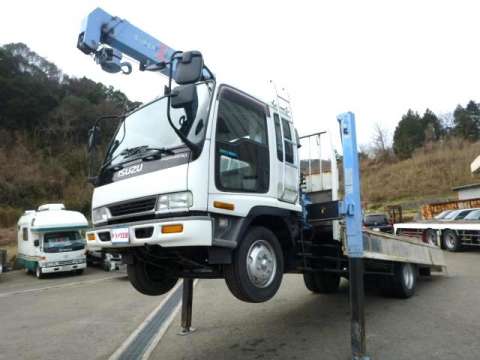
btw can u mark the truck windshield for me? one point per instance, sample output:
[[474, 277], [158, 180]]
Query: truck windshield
[[63, 241], [376, 220], [148, 127]]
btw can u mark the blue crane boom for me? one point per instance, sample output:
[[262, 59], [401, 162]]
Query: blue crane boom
[[120, 37]]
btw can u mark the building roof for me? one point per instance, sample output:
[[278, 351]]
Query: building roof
[[475, 165], [465, 187]]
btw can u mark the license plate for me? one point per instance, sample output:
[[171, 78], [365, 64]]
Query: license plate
[[120, 236]]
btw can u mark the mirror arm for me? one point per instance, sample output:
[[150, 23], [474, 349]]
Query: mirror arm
[[191, 145]]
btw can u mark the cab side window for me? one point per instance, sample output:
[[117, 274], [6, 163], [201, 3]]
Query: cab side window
[[242, 159], [25, 234], [278, 137], [287, 133]]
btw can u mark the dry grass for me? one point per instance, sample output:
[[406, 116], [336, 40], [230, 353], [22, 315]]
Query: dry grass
[[429, 175]]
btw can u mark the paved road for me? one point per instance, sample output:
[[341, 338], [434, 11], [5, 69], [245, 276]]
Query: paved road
[[68, 317], [442, 321]]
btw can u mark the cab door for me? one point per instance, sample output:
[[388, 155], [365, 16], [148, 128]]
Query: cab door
[[287, 155]]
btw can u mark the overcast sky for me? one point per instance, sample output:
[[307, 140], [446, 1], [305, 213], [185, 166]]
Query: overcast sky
[[376, 58]]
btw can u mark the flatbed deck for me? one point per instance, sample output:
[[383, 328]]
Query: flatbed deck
[[383, 246]]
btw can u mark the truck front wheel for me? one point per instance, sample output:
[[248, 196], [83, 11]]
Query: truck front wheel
[[149, 279], [256, 271], [38, 272], [322, 282]]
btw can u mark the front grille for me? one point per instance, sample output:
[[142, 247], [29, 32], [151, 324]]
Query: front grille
[[133, 207]]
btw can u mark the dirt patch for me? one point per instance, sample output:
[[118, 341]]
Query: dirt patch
[[8, 241], [7, 236]]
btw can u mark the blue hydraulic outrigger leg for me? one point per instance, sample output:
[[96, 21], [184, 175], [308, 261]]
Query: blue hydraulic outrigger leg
[[351, 210]]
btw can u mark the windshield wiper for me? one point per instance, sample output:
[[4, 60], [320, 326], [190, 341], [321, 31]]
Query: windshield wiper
[[128, 153]]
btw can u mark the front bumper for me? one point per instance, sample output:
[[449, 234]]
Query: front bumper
[[196, 231], [63, 268]]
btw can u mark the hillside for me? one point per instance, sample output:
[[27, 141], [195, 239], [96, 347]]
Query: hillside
[[44, 119], [45, 116], [427, 176]]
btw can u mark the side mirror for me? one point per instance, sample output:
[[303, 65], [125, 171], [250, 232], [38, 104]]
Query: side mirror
[[188, 69], [36, 243], [183, 96]]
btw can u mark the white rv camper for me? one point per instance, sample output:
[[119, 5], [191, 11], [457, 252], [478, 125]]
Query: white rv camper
[[50, 240]]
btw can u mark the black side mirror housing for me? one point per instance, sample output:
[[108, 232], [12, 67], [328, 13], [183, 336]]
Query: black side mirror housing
[[36, 243], [189, 68]]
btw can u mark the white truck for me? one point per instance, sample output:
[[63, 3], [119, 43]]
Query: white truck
[[50, 240], [204, 182], [451, 235]]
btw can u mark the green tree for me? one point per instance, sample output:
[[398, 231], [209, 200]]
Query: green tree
[[467, 121], [409, 134], [44, 119]]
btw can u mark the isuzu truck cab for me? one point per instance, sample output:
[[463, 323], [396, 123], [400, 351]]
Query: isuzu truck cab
[[221, 199]]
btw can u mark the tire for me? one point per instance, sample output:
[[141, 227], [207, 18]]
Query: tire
[[38, 273], [431, 237], [106, 266], [258, 279], [451, 242], [403, 283], [148, 279], [322, 282]]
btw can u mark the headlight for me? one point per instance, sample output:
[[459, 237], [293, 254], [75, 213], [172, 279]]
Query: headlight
[[99, 215], [175, 201]]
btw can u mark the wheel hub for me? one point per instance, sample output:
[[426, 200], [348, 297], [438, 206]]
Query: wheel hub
[[408, 275], [261, 263], [450, 241]]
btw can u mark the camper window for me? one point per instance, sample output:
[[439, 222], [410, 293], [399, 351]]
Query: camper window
[[25, 234]]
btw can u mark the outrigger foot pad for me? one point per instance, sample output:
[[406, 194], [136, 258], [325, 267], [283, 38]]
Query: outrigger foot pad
[[186, 331]]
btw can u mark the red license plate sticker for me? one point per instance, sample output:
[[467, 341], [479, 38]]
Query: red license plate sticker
[[120, 236]]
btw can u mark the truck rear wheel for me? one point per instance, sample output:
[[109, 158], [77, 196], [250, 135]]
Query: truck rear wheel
[[403, 282], [149, 279], [431, 237], [322, 282], [256, 271], [451, 241]]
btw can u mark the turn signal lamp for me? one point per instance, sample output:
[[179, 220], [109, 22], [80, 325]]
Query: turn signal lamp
[[172, 229], [91, 237], [223, 205]]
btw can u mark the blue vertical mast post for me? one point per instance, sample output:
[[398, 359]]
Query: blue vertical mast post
[[351, 209]]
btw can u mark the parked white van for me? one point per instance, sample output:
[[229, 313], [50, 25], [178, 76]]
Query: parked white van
[[50, 240]]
